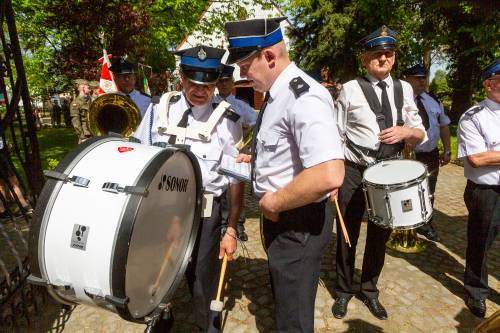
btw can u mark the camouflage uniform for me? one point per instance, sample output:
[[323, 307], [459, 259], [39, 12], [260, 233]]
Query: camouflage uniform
[[79, 110]]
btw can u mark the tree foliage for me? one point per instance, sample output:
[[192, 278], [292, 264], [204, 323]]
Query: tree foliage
[[61, 37], [465, 33]]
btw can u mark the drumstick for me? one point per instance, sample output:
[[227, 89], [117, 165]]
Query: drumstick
[[342, 225], [216, 305], [166, 259]]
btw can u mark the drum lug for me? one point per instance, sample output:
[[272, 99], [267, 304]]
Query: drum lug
[[120, 302], [387, 197], [75, 180], [94, 294], [116, 188], [421, 195], [368, 205], [36, 280]]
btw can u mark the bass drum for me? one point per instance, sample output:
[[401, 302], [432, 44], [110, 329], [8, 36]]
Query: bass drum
[[115, 226]]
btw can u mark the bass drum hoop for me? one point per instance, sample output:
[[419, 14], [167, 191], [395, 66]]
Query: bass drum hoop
[[126, 228]]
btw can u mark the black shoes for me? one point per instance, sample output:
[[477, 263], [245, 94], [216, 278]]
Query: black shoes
[[339, 308], [428, 232], [376, 308], [476, 306]]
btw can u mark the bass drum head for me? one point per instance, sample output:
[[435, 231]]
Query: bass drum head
[[393, 172], [162, 231]]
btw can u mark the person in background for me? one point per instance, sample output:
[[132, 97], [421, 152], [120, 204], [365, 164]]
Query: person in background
[[436, 122], [248, 117], [124, 74]]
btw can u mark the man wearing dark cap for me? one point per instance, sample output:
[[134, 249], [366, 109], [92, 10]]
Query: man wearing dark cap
[[296, 163], [79, 110], [194, 109], [248, 117], [479, 148], [436, 123], [376, 115], [124, 75]]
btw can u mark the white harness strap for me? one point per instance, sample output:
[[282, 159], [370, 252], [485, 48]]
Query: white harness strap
[[163, 116], [204, 133]]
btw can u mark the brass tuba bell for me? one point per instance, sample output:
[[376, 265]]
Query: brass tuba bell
[[113, 113]]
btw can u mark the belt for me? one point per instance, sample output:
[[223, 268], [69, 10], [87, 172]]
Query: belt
[[301, 211], [470, 183], [360, 167], [423, 153]]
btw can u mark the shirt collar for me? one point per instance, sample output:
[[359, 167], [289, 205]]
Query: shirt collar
[[282, 79], [374, 80], [492, 105]]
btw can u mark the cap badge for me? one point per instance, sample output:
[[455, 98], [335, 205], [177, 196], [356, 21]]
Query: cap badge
[[384, 31], [202, 55]]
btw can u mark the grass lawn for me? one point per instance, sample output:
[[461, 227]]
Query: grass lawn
[[55, 143]]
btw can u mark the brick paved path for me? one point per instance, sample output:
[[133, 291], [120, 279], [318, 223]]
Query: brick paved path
[[422, 292]]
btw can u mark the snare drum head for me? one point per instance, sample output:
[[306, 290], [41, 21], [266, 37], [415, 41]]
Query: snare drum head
[[163, 234], [394, 172]]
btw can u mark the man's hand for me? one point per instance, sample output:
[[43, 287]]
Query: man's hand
[[228, 244], [245, 158], [334, 194], [394, 134], [444, 158], [268, 206]]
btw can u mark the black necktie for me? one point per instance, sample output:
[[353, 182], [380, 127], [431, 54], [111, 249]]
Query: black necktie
[[182, 123], [386, 106], [255, 132], [422, 112]]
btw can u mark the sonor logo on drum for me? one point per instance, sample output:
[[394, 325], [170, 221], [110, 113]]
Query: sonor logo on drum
[[174, 184], [79, 237]]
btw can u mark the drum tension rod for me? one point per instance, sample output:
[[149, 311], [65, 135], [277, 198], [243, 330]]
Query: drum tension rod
[[116, 188], [75, 180]]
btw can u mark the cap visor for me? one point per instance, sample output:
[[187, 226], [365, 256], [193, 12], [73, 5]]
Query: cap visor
[[201, 77]]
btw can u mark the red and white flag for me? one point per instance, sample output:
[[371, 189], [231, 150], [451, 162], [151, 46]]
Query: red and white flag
[[106, 82]]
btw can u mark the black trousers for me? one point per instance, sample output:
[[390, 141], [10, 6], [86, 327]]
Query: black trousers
[[296, 244], [352, 206], [431, 160], [483, 204], [203, 271]]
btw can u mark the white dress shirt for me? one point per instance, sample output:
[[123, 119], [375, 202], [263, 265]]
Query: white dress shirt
[[437, 119], [247, 114], [140, 99], [478, 132], [296, 132], [224, 137], [357, 121]]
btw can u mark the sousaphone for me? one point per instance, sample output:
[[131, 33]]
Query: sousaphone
[[115, 113]]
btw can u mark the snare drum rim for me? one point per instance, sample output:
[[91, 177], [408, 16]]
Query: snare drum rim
[[124, 234], [44, 207], [400, 185], [376, 220]]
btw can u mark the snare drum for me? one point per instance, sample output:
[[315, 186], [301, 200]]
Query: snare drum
[[397, 194], [115, 226]]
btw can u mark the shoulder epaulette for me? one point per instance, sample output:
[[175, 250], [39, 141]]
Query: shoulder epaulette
[[473, 110], [231, 115], [155, 99], [299, 86], [175, 99], [144, 94]]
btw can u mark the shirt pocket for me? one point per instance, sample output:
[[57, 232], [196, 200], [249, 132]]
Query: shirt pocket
[[208, 157], [268, 141], [493, 140]]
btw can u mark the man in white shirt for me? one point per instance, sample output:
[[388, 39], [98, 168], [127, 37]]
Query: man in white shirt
[[193, 108], [436, 123], [124, 75], [297, 162], [376, 115], [479, 148]]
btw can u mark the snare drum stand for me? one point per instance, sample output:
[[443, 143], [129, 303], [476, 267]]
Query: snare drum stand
[[161, 320]]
